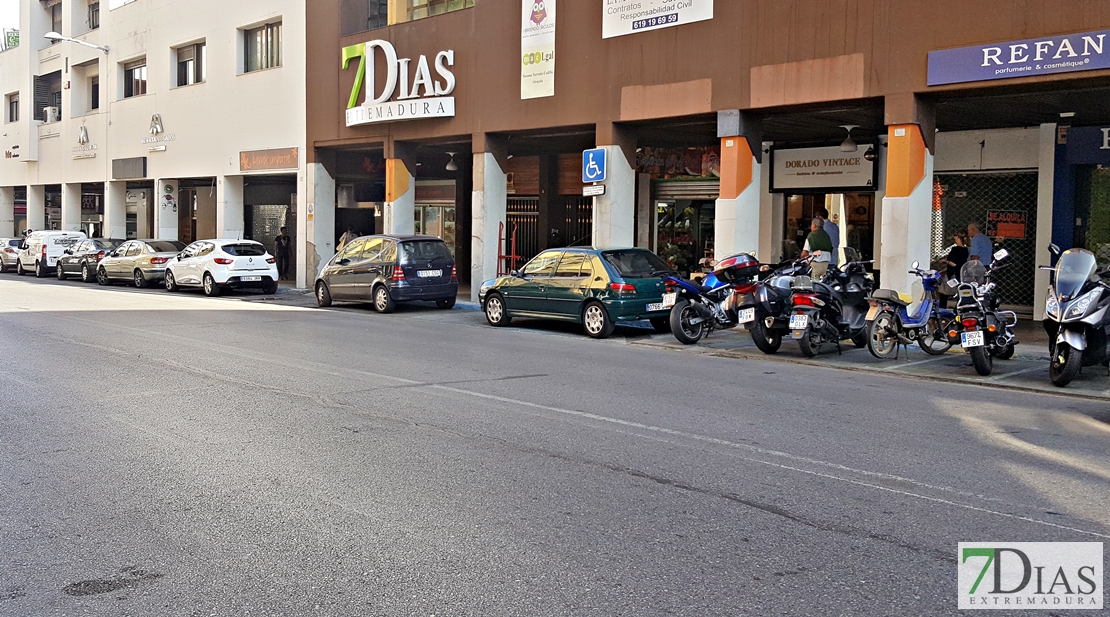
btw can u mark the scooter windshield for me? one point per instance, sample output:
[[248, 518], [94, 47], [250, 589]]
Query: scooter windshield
[[1074, 269]]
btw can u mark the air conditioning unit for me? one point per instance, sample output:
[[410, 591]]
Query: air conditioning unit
[[51, 114]]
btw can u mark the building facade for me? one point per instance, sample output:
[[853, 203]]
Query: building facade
[[724, 125], [170, 119]]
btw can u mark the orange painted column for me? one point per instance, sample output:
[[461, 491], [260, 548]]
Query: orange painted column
[[907, 209], [738, 221], [400, 198]]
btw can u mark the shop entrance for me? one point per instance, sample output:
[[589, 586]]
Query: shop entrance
[[684, 231], [854, 213], [1092, 215], [436, 220]]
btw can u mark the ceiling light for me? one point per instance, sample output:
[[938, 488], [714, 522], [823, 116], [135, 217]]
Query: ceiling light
[[1067, 114], [848, 145], [452, 165]]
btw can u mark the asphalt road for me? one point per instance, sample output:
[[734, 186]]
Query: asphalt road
[[178, 455]]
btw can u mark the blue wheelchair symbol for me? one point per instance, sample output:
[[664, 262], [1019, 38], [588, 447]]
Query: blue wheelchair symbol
[[593, 165]]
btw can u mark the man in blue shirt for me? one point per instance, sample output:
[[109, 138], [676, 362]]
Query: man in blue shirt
[[981, 247], [833, 230]]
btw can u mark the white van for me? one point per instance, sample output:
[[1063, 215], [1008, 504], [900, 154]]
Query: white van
[[40, 251]]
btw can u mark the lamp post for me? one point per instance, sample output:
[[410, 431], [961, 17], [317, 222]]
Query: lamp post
[[54, 36]]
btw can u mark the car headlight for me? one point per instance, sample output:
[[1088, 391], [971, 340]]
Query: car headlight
[[1080, 306], [1052, 305]]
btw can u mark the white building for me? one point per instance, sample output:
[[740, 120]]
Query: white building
[[177, 119]]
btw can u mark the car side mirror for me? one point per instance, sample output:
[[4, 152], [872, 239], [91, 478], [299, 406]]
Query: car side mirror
[[69, 251], [515, 274], [1055, 250]]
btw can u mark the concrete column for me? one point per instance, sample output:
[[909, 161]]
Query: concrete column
[[400, 198], [166, 208], [738, 213], [645, 211], [615, 211], [489, 203], [36, 207], [71, 207], [907, 207], [115, 210], [315, 224], [7, 211], [1046, 181], [772, 207], [229, 207], [834, 203]]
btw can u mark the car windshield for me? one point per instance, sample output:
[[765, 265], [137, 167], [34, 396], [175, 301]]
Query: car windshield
[[423, 250], [637, 263], [14, 242], [1074, 269], [245, 249], [107, 245], [166, 246]]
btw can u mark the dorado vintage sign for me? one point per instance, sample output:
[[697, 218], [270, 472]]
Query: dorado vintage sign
[[409, 91]]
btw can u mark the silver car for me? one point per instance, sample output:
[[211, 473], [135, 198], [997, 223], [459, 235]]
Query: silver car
[[9, 252], [142, 262]]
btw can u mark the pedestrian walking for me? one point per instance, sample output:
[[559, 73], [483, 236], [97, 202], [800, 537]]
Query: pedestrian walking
[[833, 230], [283, 245]]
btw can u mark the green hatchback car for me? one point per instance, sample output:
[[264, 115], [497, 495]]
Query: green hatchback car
[[596, 288]]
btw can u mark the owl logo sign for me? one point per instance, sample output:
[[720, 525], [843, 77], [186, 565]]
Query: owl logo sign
[[539, 12]]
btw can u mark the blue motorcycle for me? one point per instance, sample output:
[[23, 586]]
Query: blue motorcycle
[[895, 320], [698, 308]]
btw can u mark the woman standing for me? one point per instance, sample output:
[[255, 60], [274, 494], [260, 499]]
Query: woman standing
[[957, 257]]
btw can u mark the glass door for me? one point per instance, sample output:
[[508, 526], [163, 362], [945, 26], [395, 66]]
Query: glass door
[[433, 220]]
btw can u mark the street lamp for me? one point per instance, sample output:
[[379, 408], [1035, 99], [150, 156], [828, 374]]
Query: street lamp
[[54, 36]]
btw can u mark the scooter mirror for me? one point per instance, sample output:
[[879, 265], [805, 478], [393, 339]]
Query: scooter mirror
[[1055, 250], [915, 265], [1001, 254]]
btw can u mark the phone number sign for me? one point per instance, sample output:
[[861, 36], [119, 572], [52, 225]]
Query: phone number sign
[[621, 17]]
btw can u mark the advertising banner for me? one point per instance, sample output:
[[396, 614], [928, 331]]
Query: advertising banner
[[821, 168], [621, 17], [537, 49], [1089, 145], [1043, 56]]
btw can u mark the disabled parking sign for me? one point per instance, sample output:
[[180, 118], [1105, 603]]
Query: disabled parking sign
[[593, 165]]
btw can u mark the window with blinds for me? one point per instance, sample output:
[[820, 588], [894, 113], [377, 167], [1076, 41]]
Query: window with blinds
[[48, 93], [191, 64], [134, 78], [262, 47]]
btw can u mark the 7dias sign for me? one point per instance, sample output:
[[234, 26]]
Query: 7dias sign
[[1030, 575], [409, 91]]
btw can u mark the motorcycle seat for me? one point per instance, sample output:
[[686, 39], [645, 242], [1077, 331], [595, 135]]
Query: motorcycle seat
[[889, 295]]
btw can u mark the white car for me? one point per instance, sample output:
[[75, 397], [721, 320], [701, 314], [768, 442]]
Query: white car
[[215, 264], [40, 251]]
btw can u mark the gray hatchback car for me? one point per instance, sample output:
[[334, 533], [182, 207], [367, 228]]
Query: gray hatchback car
[[385, 270]]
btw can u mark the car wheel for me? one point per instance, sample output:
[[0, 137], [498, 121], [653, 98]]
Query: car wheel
[[596, 321], [495, 311], [19, 268], [140, 280], [382, 302], [60, 272], [446, 303], [661, 325], [171, 283], [39, 272], [102, 277], [323, 296], [87, 275], [211, 289], [270, 288]]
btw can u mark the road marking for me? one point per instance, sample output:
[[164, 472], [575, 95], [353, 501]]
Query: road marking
[[1021, 372], [895, 368], [777, 453]]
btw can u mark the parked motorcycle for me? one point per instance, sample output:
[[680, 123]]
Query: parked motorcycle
[[1076, 315], [833, 309], [892, 323], [698, 309], [765, 309], [983, 330]]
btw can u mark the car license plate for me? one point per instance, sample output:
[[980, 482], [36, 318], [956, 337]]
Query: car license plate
[[427, 274], [658, 306], [799, 322], [747, 315], [250, 278], [669, 300], [971, 339]]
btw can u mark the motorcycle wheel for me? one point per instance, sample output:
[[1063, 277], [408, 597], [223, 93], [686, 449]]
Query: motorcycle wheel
[[860, 340], [686, 332], [807, 344], [882, 336], [1065, 365], [1005, 353], [766, 340], [933, 341], [981, 358]]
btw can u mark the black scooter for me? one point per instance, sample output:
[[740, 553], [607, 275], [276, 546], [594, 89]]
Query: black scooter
[[833, 309], [765, 309]]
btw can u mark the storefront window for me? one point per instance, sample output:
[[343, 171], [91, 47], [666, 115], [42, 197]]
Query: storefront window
[[684, 233], [419, 9]]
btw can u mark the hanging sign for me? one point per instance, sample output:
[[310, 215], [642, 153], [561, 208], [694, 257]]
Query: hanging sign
[[426, 98], [537, 49], [621, 17], [822, 168], [1043, 56]]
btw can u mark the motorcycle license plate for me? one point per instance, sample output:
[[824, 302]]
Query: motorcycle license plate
[[747, 315], [971, 339], [669, 300], [799, 322], [872, 313]]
